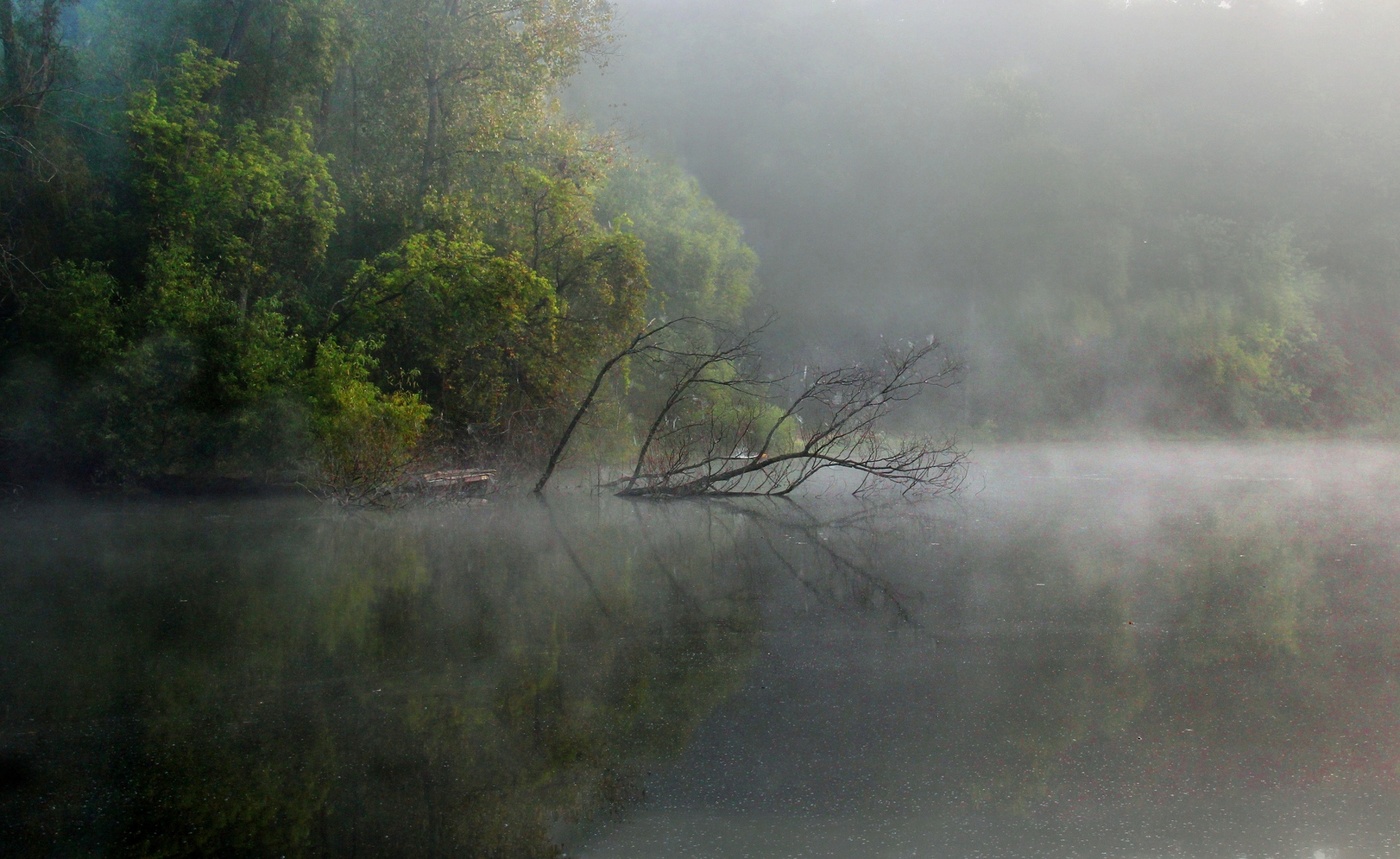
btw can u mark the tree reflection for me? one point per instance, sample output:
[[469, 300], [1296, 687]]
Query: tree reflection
[[435, 685], [842, 555], [1061, 668], [1213, 649], [486, 681]]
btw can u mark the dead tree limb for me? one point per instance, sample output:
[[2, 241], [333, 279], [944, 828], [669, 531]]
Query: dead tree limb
[[718, 428], [638, 344], [691, 368], [837, 420]]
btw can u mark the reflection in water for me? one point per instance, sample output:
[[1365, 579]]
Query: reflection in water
[[257, 682], [1148, 662], [1139, 664]]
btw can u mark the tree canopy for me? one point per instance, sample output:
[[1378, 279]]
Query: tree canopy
[[243, 237]]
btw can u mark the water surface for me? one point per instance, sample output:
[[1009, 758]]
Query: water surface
[[1168, 651]]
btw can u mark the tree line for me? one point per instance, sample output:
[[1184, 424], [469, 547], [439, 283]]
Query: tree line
[[243, 237]]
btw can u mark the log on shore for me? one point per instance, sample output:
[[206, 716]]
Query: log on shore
[[454, 481]]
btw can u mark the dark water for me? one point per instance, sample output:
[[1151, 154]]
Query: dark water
[[1174, 651]]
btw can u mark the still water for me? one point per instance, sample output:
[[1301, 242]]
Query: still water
[[1171, 651]]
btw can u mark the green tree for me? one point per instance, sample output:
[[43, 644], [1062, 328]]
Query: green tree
[[1229, 313], [177, 298], [254, 205], [697, 260], [476, 332], [42, 176], [32, 62], [287, 51], [364, 437], [202, 349], [440, 92]]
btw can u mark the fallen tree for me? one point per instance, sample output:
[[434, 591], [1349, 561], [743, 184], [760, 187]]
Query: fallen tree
[[718, 430], [641, 343]]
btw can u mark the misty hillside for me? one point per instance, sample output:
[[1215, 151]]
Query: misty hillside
[[1175, 213]]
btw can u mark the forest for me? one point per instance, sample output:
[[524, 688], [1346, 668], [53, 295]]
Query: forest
[[250, 239], [319, 240]]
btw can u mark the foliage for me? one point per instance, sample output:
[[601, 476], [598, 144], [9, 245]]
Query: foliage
[[256, 206], [442, 96], [72, 319], [1230, 315], [237, 238], [479, 331], [364, 437], [32, 61], [698, 262]]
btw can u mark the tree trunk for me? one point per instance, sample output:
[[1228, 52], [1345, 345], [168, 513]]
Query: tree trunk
[[240, 28], [30, 70], [433, 84], [9, 43], [638, 344]]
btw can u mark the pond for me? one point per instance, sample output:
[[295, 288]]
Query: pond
[[1169, 650]]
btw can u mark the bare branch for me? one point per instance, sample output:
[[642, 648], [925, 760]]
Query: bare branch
[[638, 344], [842, 413]]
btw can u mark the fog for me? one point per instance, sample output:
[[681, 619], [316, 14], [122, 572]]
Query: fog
[[1166, 214], [1183, 650], [227, 264]]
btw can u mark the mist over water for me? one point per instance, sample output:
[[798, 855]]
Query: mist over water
[[1168, 650], [329, 241], [1174, 651]]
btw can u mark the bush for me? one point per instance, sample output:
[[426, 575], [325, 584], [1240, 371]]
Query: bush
[[365, 439]]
